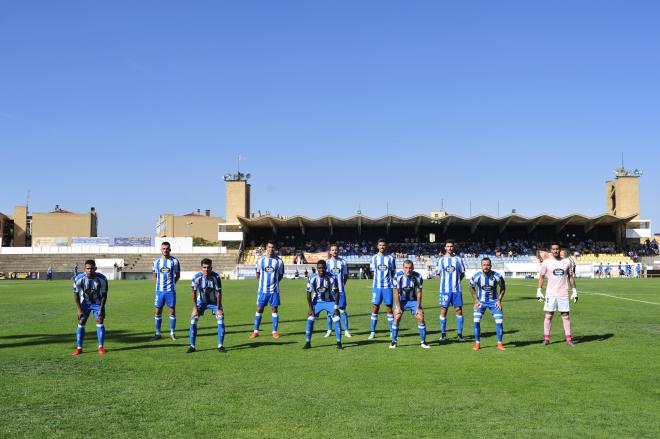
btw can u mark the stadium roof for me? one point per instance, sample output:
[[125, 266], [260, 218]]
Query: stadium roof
[[359, 221]]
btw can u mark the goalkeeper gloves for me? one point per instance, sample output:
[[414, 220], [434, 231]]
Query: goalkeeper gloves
[[574, 296], [539, 294]]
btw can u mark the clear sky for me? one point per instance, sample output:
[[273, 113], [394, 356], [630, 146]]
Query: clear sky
[[139, 107]]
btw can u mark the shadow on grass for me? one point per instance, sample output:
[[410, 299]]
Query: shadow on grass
[[257, 344], [69, 337], [577, 340]]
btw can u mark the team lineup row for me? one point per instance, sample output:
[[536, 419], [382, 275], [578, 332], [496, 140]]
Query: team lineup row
[[399, 291]]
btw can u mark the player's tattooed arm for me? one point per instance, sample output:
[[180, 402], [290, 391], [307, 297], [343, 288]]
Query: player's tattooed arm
[[194, 301], [473, 293]]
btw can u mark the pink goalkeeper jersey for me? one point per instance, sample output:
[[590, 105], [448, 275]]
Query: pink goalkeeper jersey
[[557, 272]]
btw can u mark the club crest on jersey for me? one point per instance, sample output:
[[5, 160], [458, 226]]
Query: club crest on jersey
[[165, 269], [269, 269], [382, 267], [558, 272], [450, 268]]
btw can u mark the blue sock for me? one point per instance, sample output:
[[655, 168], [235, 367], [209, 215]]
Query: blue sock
[[422, 332], [193, 331], [80, 335], [172, 323], [344, 318], [394, 332], [221, 330], [459, 325], [100, 333], [477, 325], [499, 328], [374, 320], [390, 320], [329, 322], [257, 321], [157, 321], [443, 325], [309, 328], [336, 320], [276, 321]]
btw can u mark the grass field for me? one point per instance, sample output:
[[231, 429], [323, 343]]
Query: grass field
[[607, 386]]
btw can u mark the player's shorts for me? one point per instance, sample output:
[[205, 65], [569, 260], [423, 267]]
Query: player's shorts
[[554, 303], [342, 300], [453, 299], [382, 295], [324, 306], [408, 305], [272, 299], [165, 298], [486, 306], [87, 309], [201, 307]]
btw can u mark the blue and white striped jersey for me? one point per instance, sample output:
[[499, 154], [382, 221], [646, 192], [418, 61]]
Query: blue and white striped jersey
[[408, 286], [339, 268], [488, 286], [450, 269], [91, 291], [206, 287], [166, 270], [271, 270], [384, 269], [323, 288]]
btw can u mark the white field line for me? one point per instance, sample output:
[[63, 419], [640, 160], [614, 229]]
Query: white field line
[[602, 294]]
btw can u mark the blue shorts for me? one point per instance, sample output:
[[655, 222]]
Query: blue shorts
[[380, 295], [453, 299], [489, 305], [201, 307], [87, 309], [324, 306], [342, 300], [272, 299], [165, 297], [409, 305]]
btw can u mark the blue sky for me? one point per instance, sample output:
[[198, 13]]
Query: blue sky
[[139, 108]]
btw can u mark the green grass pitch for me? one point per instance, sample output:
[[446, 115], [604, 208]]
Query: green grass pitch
[[607, 386]]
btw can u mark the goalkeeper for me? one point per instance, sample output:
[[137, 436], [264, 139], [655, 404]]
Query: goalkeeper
[[559, 272]]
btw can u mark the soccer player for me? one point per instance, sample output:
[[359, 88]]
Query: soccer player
[[487, 282], [167, 272], [450, 271], [339, 268], [608, 270], [383, 266], [324, 287], [628, 270], [408, 296], [559, 272], [90, 291], [207, 294], [49, 273], [638, 270], [599, 271], [270, 271]]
